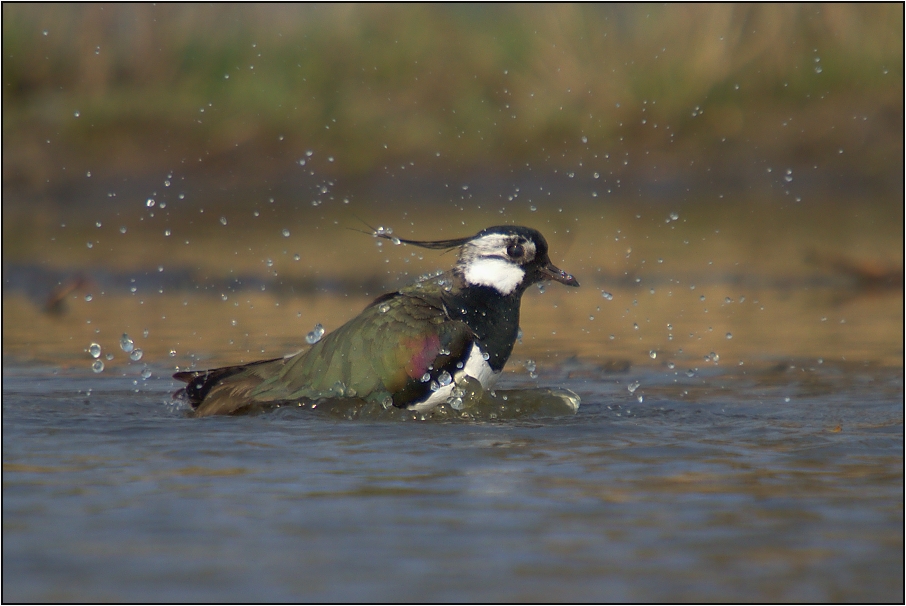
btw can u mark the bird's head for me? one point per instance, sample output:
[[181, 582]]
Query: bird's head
[[507, 258]]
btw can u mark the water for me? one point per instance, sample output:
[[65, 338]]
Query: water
[[715, 487], [763, 467]]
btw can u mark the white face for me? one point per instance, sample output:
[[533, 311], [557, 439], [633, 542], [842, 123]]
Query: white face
[[496, 260]]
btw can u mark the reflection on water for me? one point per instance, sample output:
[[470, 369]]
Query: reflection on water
[[782, 483], [468, 401]]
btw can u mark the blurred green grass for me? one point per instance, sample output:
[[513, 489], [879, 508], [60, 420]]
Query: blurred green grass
[[491, 87]]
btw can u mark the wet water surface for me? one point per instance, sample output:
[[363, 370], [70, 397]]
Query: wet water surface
[[781, 483]]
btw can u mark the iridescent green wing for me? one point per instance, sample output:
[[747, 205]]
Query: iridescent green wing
[[393, 349]]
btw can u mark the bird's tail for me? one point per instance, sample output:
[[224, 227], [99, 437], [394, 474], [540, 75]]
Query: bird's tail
[[225, 390]]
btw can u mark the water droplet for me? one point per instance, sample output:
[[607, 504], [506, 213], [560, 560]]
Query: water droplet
[[456, 403], [95, 350], [88, 174], [633, 386], [136, 354], [584, 139], [233, 322], [384, 308], [146, 373], [89, 244], [533, 208], [339, 388], [167, 232], [77, 114], [223, 221], [123, 229], [172, 353], [434, 386], [607, 295], [485, 356], [285, 233], [149, 202], [89, 297], [97, 366], [729, 335], [444, 379], [671, 365], [652, 354], [126, 343], [690, 373], [315, 335], [426, 377]]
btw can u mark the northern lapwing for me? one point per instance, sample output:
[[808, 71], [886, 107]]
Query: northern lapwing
[[407, 348]]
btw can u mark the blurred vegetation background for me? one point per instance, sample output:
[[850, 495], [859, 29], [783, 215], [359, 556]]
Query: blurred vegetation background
[[719, 95], [192, 169]]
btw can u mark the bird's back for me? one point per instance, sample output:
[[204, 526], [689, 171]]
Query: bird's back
[[389, 354]]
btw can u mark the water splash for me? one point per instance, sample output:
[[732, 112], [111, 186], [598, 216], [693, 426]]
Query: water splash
[[315, 335], [126, 343]]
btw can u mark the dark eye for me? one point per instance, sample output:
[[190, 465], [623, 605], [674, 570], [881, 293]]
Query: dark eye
[[515, 251]]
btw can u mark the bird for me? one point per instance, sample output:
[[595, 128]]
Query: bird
[[408, 348]]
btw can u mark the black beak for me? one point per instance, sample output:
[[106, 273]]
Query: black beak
[[551, 272]]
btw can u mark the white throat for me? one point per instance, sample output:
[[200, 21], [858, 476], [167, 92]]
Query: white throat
[[500, 274]]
